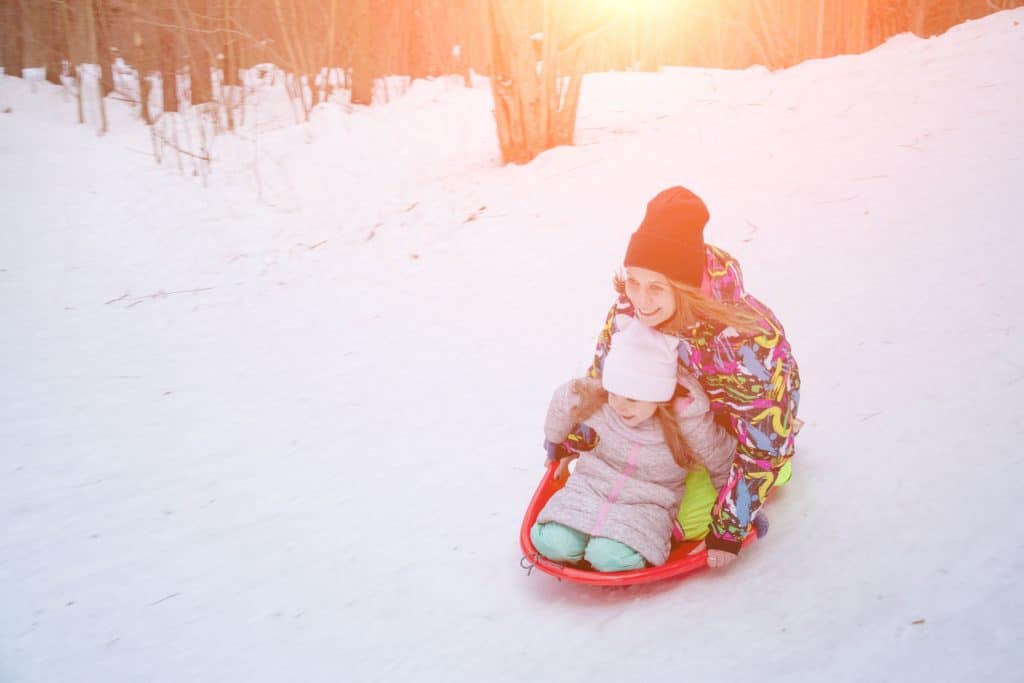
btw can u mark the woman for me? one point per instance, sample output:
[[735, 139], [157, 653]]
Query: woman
[[730, 343]]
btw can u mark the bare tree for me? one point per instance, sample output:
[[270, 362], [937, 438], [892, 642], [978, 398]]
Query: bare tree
[[536, 51], [536, 79], [193, 17], [168, 45], [362, 59], [230, 62], [13, 38]]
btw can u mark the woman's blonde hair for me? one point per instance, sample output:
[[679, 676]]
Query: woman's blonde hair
[[593, 396], [693, 306]]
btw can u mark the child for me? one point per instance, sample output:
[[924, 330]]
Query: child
[[618, 508]]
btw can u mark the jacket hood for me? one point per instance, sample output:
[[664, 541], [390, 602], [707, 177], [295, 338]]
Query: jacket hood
[[724, 278]]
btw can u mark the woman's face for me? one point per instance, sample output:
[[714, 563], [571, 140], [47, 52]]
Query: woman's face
[[651, 295], [632, 412]]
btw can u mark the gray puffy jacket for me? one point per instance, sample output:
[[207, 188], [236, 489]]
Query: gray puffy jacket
[[628, 488]]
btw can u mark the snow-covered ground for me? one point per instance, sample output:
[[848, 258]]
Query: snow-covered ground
[[288, 431]]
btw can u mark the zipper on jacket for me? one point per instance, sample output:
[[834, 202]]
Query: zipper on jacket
[[620, 482]]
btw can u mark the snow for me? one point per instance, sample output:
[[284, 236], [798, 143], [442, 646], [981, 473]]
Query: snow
[[287, 429]]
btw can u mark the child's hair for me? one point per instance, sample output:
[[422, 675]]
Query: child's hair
[[693, 305], [593, 396]]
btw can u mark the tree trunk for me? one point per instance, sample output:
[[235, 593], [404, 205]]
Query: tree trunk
[[229, 65], [362, 59], [68, 26], [306, 42], [419, 49], [329, 51], [13, 38], [57, 49], [199, 55], [37, 35], [859, 25], [819, 49], [466, 37], [535, 104], [765, 37], [296, 64], [199, 75], [231, 62], [142, 58], [86, 15], [919, 18], [100, 36], [168, 62], [512, 87]]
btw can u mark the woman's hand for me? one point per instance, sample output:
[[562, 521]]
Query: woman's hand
[[717, 559], [697, 403]]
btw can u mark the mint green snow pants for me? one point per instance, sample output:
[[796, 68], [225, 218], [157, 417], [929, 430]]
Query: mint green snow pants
[[562, 544]]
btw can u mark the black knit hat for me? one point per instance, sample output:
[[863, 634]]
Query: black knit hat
[[670, 239]]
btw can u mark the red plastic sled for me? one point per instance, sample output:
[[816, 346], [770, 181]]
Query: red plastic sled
[[679, 562]]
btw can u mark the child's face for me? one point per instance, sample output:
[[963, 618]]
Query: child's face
[[632, 412], [651, 295]]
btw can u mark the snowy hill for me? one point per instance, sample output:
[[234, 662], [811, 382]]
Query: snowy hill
[[287, 431]]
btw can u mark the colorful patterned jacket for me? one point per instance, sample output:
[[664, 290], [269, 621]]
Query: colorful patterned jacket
[[754, 387]]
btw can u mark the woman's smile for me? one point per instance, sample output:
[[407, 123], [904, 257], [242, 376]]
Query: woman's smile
[[651, 295]]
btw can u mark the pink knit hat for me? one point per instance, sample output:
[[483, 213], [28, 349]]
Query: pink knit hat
[[641, 362]]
